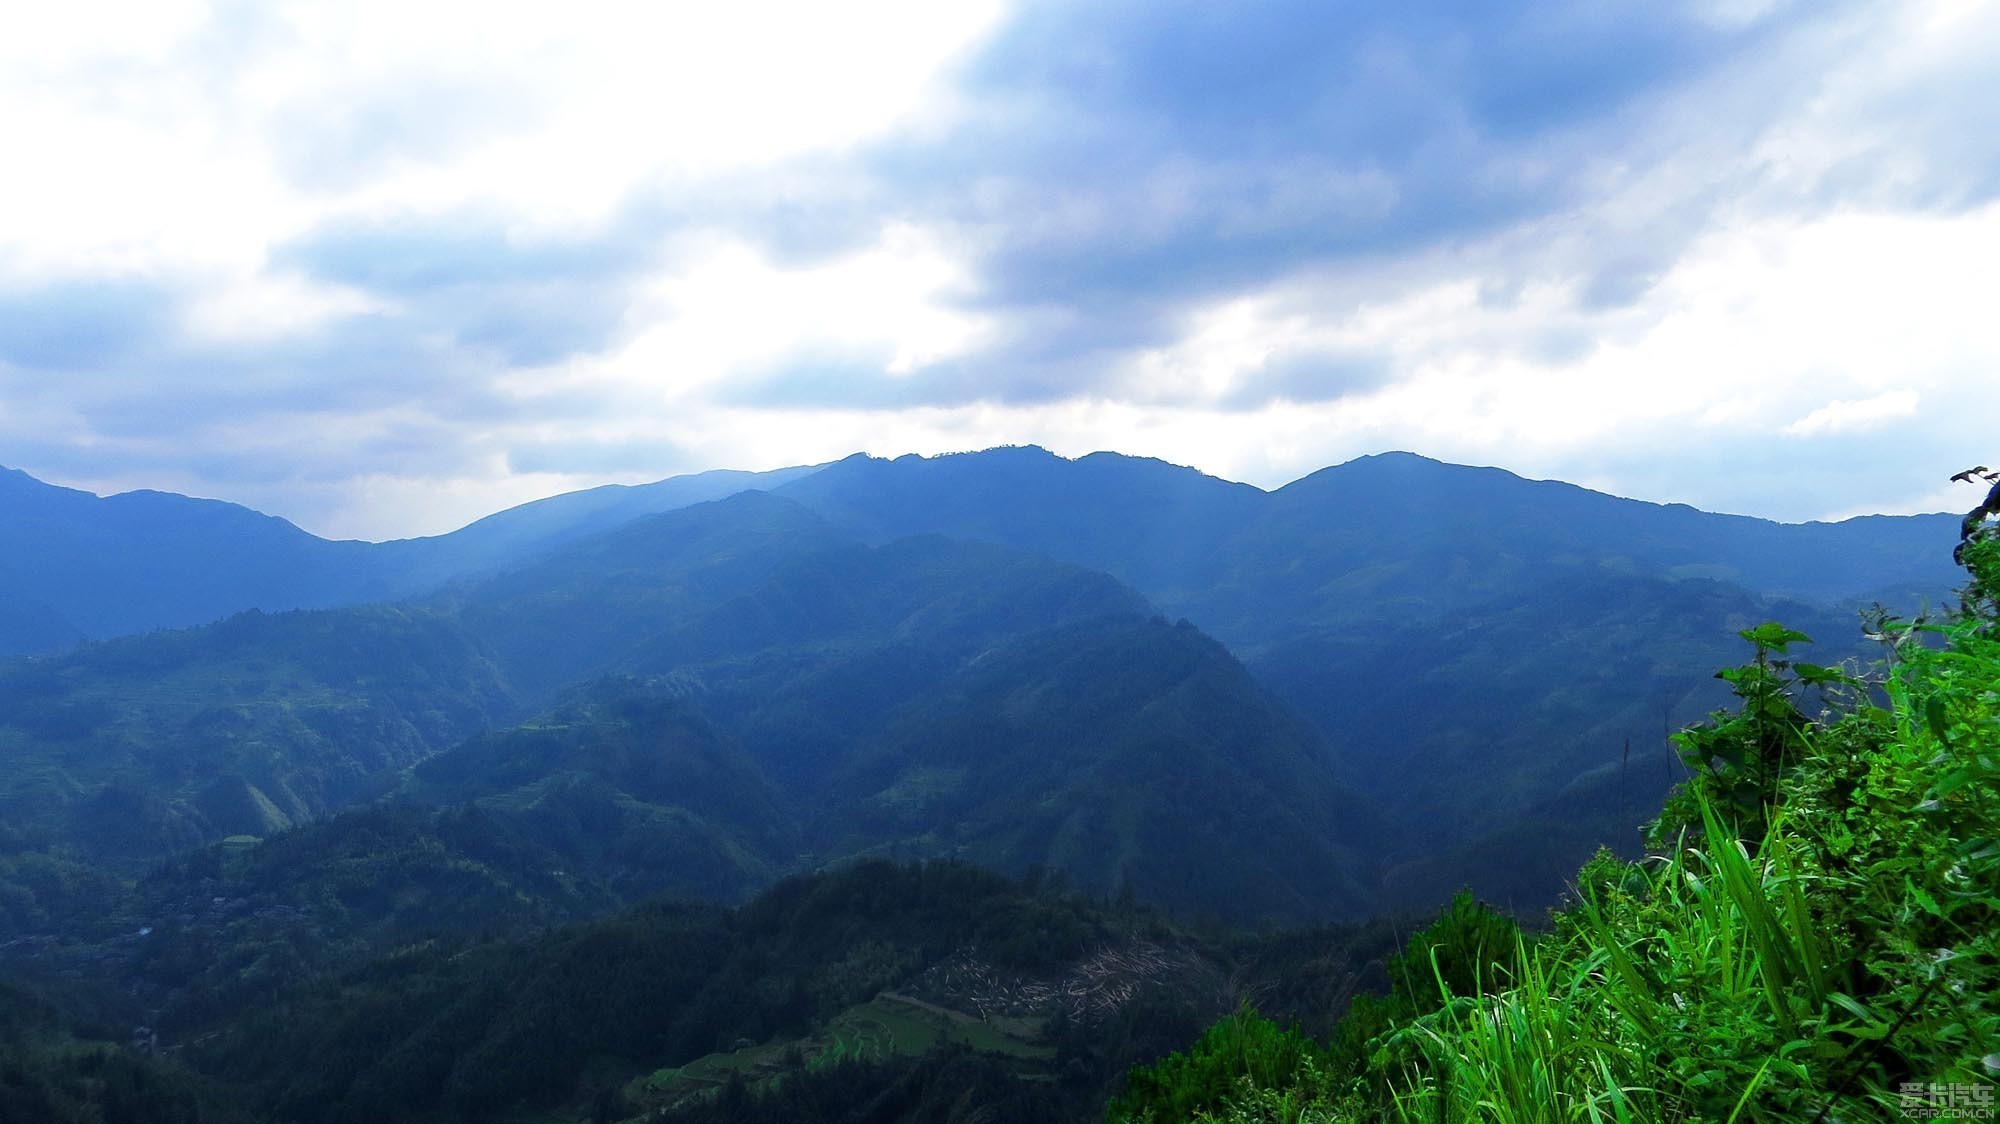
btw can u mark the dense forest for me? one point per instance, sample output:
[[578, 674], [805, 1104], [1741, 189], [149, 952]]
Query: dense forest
[[920, 990]]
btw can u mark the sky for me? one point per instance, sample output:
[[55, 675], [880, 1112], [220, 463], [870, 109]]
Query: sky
[[382, 268]]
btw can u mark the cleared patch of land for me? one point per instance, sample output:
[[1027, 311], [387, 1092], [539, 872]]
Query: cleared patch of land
[[887, 1026]]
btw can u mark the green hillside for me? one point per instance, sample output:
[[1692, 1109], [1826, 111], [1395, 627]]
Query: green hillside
[[130, 750], [941, 980], [712, 698], [1816, 938]]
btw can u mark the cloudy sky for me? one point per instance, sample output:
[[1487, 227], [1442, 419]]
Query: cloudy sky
[[384, 267]]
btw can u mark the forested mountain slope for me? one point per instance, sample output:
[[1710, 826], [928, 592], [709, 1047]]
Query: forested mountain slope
[[1387, 588], [726, 692], [1473, 644], [902, 993], [126, 751]]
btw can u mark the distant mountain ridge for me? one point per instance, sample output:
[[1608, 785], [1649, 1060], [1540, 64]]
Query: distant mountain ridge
[[111, 566], [78, 566], [1185, 538], [517, 534], [85, 567]]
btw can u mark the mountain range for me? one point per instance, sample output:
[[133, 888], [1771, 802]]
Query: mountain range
[[1238, 557], [653, 771], [1410, 660]]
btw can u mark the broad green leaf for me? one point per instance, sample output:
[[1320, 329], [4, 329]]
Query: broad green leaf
[[1774, 636], [1937, 718]]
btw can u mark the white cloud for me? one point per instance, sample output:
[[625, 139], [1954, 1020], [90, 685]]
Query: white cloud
[[1849, 415], [1823, 327], [182, 141], [729, 313], [267, 305], [182, 113]]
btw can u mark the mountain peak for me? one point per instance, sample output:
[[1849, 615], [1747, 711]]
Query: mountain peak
[[17, 481], [1395, 456], [1003, 454]]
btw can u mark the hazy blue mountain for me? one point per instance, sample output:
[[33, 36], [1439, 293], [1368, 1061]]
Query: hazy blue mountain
[[83, 567], [126, 750], [1146, 521], [28, 625], [1472, 643], [779, 694], [520, 534], [1240, 561], [581, 610], [1511, 721], [1416, 529], [934, 698], [76, 565], [1126, 752], [1375, 535], [1467, 645]]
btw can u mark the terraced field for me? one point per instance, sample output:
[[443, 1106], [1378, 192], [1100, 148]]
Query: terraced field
[[886, 1026]]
